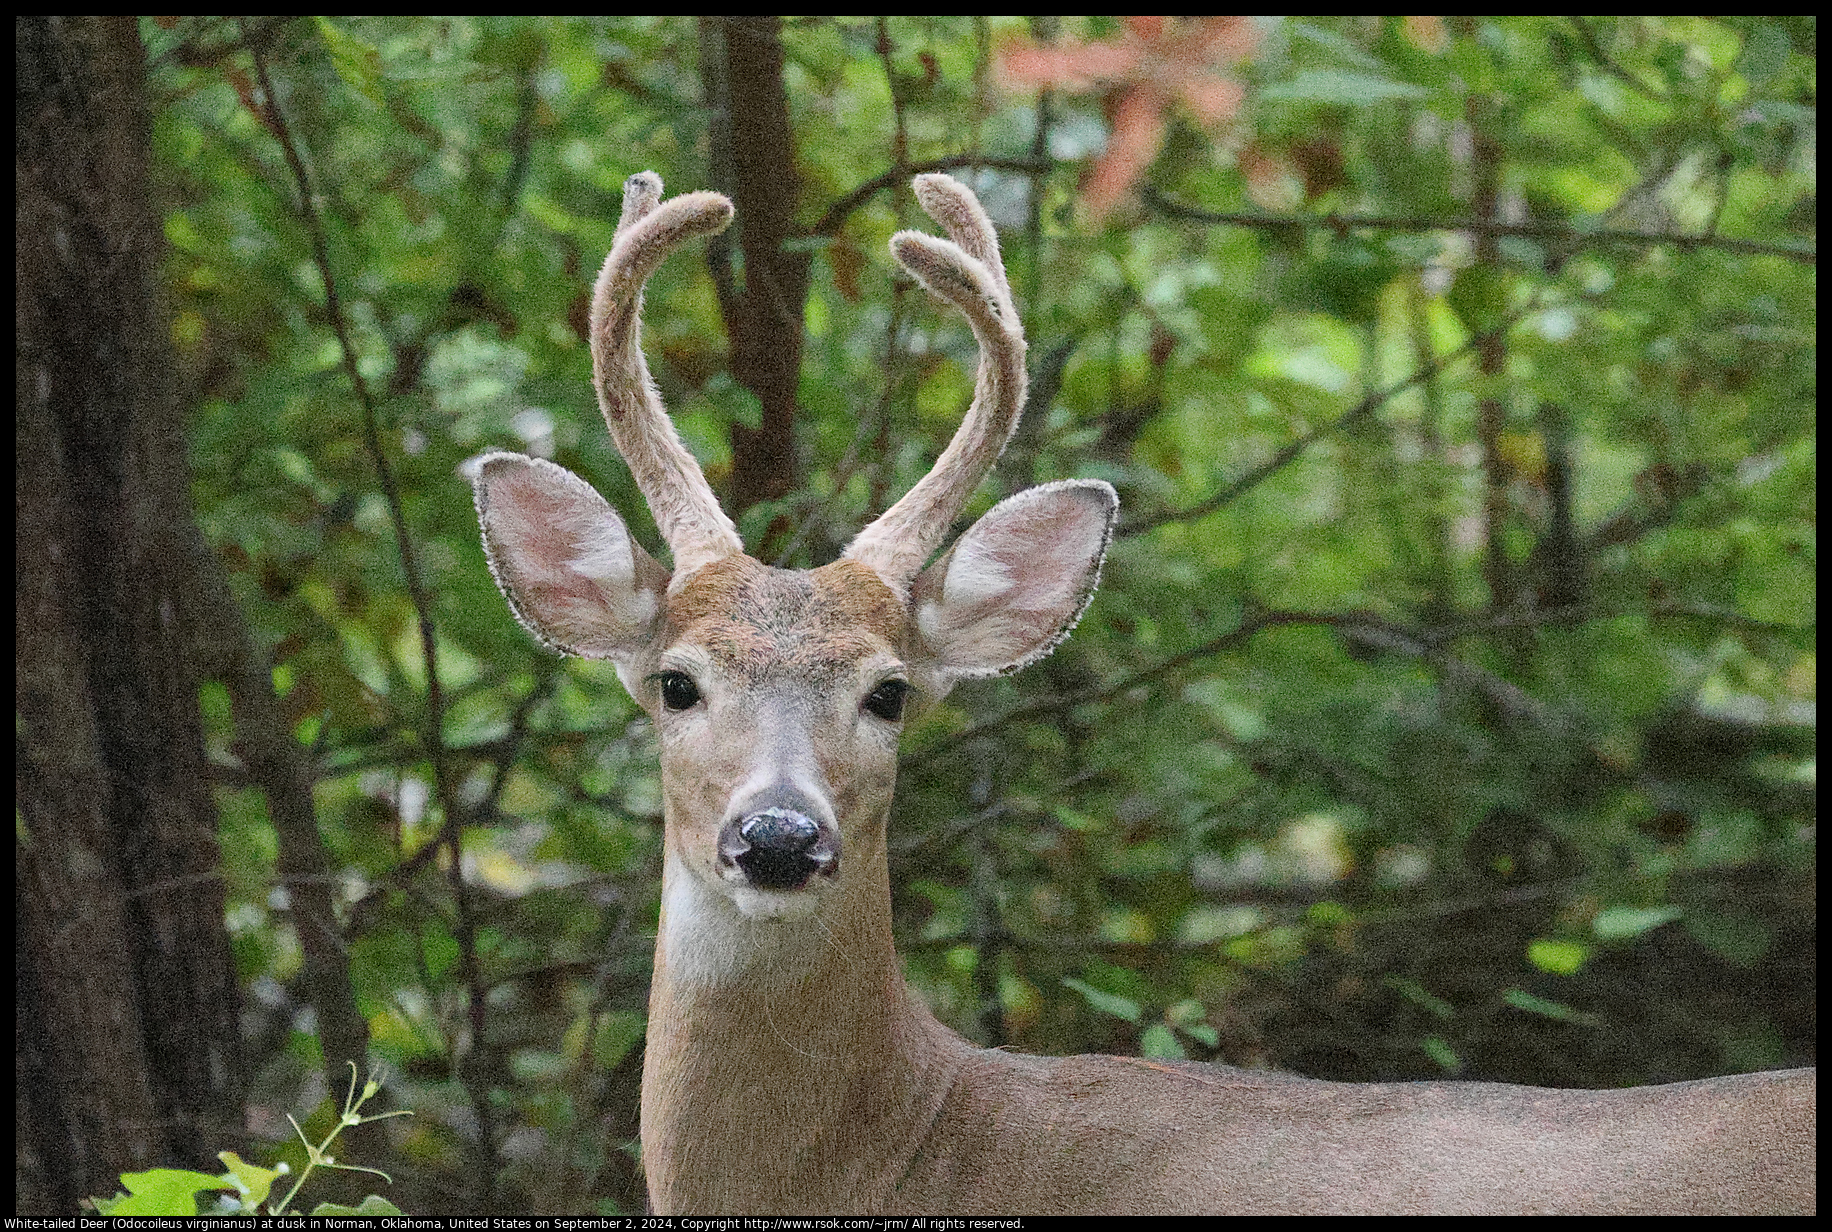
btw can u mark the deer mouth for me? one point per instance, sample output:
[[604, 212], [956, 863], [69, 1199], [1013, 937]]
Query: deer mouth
[[778, 847]]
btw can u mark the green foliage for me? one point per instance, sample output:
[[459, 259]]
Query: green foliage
[[1340, 773], [173, 1191]]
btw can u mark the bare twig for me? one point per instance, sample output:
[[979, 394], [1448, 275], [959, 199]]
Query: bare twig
[[837, 213], [1562, 234]]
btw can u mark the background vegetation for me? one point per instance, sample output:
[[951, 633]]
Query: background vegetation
[[1446, 707]]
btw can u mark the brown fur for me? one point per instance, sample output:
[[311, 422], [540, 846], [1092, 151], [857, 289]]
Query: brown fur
[[816, 1082], [749, 616]]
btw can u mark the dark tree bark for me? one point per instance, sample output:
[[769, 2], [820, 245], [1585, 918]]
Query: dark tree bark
[[753, 162], [127, 1044]]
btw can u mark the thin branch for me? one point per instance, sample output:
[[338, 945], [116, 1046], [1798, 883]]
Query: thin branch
[[1369, 630], [1577, 237], [900, 139], [836, 215], [372, 437], [1048, 705], [464, 928], [1294, 449], [1608, 64], [1673, 609], [1043, 29], [948, 837], [1506, 696], [191, 52], [521, 138], [817, 512], [509, 748]]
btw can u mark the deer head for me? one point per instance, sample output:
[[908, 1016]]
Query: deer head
[[779, 695]]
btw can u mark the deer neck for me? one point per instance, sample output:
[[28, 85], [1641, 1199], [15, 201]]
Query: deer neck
[[787, 1063]]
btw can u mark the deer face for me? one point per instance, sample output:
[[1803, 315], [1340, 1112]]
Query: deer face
[[779, 695]]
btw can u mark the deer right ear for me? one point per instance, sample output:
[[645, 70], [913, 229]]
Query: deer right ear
[[1013, 586], [565, 561]]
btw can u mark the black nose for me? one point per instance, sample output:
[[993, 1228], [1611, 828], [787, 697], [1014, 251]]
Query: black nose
[[779, 848]]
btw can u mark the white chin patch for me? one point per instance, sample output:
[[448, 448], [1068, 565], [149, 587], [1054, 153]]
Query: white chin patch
[[712, 933], [758, 904]]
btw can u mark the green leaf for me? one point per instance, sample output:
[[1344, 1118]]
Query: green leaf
[[1765, 53], [1733, 936], [161, 1191], [736, 403], [1557, 957], [1203, 1034], [1621, 923], [439, 950], [257, 1182], [372, 1205], [616, 1036], [356, 62], [1106, 1003], [1441, 1052], [1189, 1017], [1521, 999], [1479, 296], [1415, 993], [1158, 1040], [1338, 46]]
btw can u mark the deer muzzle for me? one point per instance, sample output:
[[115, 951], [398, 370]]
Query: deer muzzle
[[777, 845]]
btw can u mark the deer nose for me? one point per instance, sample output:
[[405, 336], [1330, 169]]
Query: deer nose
[[779, 847]]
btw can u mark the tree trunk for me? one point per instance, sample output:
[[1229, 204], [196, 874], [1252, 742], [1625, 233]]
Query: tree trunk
[[127, 1044], [753, 161]]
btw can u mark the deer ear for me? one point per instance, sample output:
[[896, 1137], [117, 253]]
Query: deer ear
[[564, 560], [1013, 586]]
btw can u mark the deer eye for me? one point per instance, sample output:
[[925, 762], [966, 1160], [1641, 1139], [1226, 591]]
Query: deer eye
[[679, 692], [886, 701]]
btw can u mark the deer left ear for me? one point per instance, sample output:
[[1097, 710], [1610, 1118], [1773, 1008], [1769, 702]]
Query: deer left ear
[[1013, 586]]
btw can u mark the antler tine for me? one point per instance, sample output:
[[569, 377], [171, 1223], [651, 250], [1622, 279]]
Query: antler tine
[[687, 513], [967, 272], [953, 205]]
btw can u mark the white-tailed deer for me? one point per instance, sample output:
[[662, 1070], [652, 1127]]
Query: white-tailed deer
[[789, 1068]]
